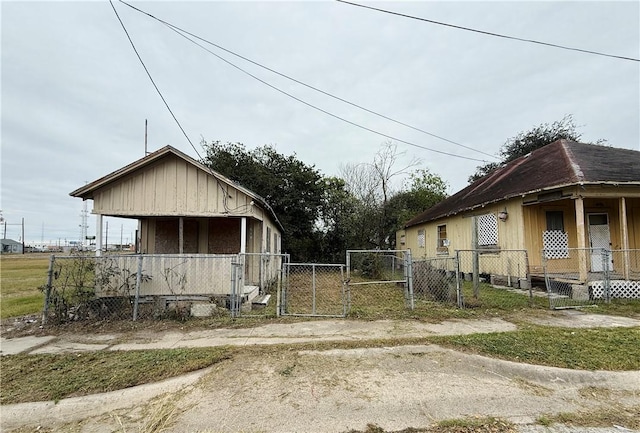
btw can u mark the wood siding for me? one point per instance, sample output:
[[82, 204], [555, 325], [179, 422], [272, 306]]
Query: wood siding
[[172, 186]]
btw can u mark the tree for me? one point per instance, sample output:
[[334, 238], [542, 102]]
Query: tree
[[292, 188], [425, 190], [371, 185], [528, 141]]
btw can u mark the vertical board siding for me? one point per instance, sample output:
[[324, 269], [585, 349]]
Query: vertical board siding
[[172, 187]]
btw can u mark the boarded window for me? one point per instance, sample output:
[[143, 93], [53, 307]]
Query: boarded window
[[421, 239], [224, 236], [487, 230], [442, 246]]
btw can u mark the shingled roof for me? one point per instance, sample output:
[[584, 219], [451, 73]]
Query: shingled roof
[[561, 163]]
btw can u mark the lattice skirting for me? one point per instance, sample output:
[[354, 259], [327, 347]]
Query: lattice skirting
[[619, 289]]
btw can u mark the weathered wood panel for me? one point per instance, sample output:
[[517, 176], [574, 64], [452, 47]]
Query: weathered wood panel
[[171, 187]]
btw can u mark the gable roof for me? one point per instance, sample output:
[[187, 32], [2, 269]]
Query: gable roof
[[561, 163], [87, 191]]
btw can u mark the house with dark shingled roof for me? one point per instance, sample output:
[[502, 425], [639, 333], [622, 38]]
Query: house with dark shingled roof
[[563, 196]]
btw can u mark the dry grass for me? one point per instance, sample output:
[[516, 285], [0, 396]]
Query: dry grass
[[608, 415], [53, 377], [21, 275]]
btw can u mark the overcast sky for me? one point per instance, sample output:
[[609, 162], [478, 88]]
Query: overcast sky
[[75, 97]]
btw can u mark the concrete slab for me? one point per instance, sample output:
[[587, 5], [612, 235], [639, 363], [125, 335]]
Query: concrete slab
[[581, 319], [13, 346], [62, 346]]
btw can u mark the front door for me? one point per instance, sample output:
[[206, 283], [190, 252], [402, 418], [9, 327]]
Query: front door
[[599, 239]]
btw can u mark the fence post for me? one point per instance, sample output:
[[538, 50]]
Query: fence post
[[409, 277], [528, 274], [313, 288], [458, 287], [45, 309], [279, 289], [607, 277], [136, 301], [232, 301]]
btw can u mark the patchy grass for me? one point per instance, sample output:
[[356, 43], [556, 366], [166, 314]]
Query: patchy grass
[[588, 349], [462, 425], [605, 416], [53, 377], [21, 275]]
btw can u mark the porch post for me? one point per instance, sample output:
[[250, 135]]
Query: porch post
[[181, 235], [582, 239], [243, 235], [98, 235], [625, 236]]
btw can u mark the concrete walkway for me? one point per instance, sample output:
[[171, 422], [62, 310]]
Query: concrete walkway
[[298, 332], [333, 390]]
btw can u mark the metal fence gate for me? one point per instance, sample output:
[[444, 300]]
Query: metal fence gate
[[380, 280], [315, 290]]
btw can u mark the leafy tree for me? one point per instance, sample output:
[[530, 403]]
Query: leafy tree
[[426, 189], [528, 141], [292, 188]]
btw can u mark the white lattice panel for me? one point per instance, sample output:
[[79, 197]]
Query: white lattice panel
[[421, 239], [555, 244], [619, 289], [488, 229]]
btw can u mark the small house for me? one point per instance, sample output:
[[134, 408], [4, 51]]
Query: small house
[[185, 209], [563, 204]]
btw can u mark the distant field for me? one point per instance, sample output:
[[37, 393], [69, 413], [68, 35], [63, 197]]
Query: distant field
[[20, 277]]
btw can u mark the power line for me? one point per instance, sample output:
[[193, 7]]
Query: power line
[[185, 33], [152, 81], [166, 104], [489, 33]]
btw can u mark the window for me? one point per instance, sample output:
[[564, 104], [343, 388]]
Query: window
[[442, 246], [487, 230], [275, 243], [555, 220], [268, 247], [402, 240], [555, 241], [421, 239]]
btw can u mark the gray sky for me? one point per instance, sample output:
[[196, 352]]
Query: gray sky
[[75, 97]]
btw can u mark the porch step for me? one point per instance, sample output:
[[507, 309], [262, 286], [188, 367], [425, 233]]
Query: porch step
[[261, 300]]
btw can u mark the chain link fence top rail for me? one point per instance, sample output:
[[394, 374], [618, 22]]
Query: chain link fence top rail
[[577, 277], [494, 279]]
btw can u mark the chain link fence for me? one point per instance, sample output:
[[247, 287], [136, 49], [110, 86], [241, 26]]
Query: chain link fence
[[434, 279], [379, 281], [256, 283], [577, 277], [132, 287], [312, 289], [493, 279]]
